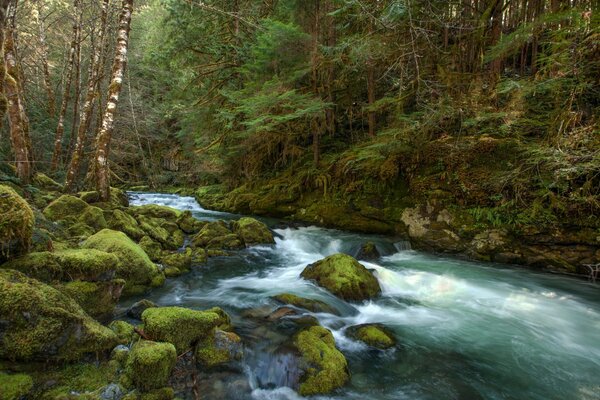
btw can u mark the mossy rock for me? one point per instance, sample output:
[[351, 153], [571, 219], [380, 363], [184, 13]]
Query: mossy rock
[[135, 267], [93, 217], [98, 299], [181, 261], [40, 323], [182, 327], [80, 231], [199, 256], [374, 335], [119, 220], [14, 386], [252, 231], [152, 248], [45, 182], [88, 380], [118, 198], [165, 393], [324, 367], [150, 364], [165, 232], [343, 276], [16, 223], [124, 331], [219, 348], [66, 206], [67, 265], [316, 306], [368, 251], [189, 224], [156, 211], [138, 308], [212, 230], [227, 242]]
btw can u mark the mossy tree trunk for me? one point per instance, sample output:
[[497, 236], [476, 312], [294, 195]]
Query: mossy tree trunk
[[3, 99], [103, 138], [60, 127], [92, 92], [19, 124], [44, 58]]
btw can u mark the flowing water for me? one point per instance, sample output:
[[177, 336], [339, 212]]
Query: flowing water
[[466, 330]]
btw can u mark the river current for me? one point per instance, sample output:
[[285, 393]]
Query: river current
[[465, 330]]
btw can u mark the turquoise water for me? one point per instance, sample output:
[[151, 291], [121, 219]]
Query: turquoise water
[[466, 330]]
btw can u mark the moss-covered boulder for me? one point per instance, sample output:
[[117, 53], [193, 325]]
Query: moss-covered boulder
[[40, 323], [14, 386], [135, 267], [67, 265], [316, 306], [343, 276], [65, 207], [124, 331], [216, 235], [374, 335], [150, 364], [138, 308], [182, 327], [16, 223], [219, 348], [94, 218], [119, 220], [152, 248], [167, 233], [368, 251], [180, 262], [189, 224], [324, 367], [45, 182], [118, 198], [252, 231], [156, 211], [98, 299]]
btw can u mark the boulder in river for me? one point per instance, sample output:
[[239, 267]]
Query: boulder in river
[[182, 327], [343, 276], [374, 335], [368, 251], [324, 367], [40, 323], [138, 308], [16, 228], [252, 231], [216, 235], [316, 306], [220, 347], [135, 267], [149, 364]]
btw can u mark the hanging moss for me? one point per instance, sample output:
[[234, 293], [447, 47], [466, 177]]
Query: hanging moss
[[325, 368], [44, 324], [16, 224], [165, 324], [343, 276], [135, 267], [150, 364]]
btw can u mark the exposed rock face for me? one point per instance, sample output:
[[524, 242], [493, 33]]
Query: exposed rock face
[[39, 323], [138, 271], [343, 276], [324, 367], [182, 327], [374, 335], [150, 364], [16, 224], [252, 231]]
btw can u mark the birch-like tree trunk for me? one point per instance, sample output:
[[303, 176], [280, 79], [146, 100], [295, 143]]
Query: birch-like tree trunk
[[3, 99], [77, 84], [19, 125], [92, 92], [44, 58], [103, 138], [60, 127]]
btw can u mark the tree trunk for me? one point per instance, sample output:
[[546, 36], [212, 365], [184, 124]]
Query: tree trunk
[[87, 110], [101, 166], [60, 128], [77, 92], [3, 99], [314, 80], [44, 55], [19, 125]]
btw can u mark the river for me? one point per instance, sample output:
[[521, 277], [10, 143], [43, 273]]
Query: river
[[466, 330]]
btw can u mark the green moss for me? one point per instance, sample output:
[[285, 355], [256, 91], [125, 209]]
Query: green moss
[[98, 299], [210, 232], [150, 364], [16, 224], [152, 248], [374, 335], [93, 217], [121, 221], [83, 378], [45, 182], [343, 276], [165, 324], [308, 304], [14, 387], [368, 251], [253, 232], [188, 223], [43, 323], [124, 331], [162, 230], [156, 211], [218, 348], [181, 261], [326, 368], [80, 230], [134, 265], [65, 206], [118, 198], [65, 265]]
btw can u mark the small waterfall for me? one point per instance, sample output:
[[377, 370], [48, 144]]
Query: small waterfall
[[403, 245]]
